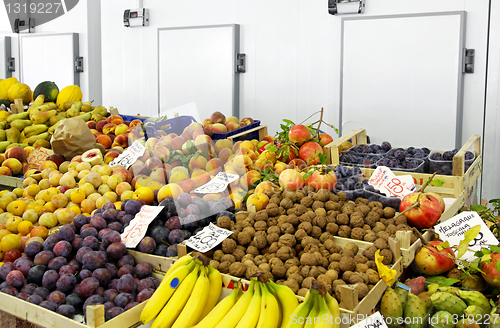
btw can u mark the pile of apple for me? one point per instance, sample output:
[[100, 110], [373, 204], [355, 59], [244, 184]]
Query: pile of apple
[[219, 123]]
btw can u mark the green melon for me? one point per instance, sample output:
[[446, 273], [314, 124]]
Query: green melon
[[48, 89]]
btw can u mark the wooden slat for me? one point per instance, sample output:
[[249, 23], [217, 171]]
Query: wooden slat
[[260, 128]]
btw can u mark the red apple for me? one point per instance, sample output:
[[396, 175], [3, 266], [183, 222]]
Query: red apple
[[298, 134], [489, 270], [319, 181], [432, 261], [426, 214]]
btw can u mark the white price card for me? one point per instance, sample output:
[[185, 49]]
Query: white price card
[[129, 156], [136, 230], [217, 184], [388, 183], [376, 320], [453, 231], [208, 238]]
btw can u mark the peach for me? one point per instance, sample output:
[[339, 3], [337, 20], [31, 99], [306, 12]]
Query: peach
[[177, 143], [214, 166], [265, 186], [248, 144], [217, 117], [153, 163], [27, 167], [5, 171], [246, 121], [16, 152], [14, 165], [111, 155], [187, 185], [91, 125], [121, 141], [202, 139], [236, 146], [231, 126], [177, 177], [135, 123], [109, 128], [172, 135], [77, 159], [115, 119], [297, 163], [151, 142], [248, 152], [104, 140], [279, 167], [112, 136], [99, 125], [223, 143], [197, 172], [169, 190], [186, 135], [137, 169], [198, 132], [188, 148], [291, 180], [218, 128], [206, 122], [121, 129], [232, 119], [249, 178], [194, 126], [262, 164], [208, 129], [147, 155], [135, 179], [47, 164], [159, 175], [298, 134], [164, 142], [143, 181], [212, 197], [161, 153], [201, 179], [2, 158], [325, 139], [258, 200], [224, 154], [197, 162], [310, 151], [269, 155], [123, 174], [155, 185], [268, 138]]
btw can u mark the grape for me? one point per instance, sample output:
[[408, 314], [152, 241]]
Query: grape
[[24, 265], [126, 259], [93, 260], [144, 295], [110, 295], [130, 305], [91, 241], [116, 226], [62, 248], [161, 250], [66, 233], [103, 275], [126, 284], [49, 305], [123, 299], [33, 248], [125, 269], [29, 288], [75, 264], [84, 274], [42, 292], [113, 284], [56, 297], [143, 270], [15, 279], [88, 286], [75, 300], [57, 263], [113, 312], [66, 310], [23, 296], [9, 291], [112, 269], [117, 250], [66, 283], [111, 237], [50, 242], [110, 215], [88, 231], [49, 279], [132, 207], [98, 222], [35, 299]]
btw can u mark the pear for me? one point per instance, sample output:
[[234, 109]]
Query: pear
[[67, 104], [97, 117], [3, 146], [42, 117], [85, 117], [22, 145], [35, 129], [20, 116], [31, 140], [53, 127], [54, 119], [87, 106], [41, 143], [3, 125], [3, 136], [75, 109], [13, 135], [21, 124], [100, 110]]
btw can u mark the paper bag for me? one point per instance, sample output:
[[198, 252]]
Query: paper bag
[[72, 137]]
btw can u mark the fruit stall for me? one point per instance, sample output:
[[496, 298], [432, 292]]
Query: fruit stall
[[112, 220]]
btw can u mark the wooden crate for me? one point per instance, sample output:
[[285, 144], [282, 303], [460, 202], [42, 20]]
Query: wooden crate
[[453, 185], [9, 183], [158, 263], [262, 133]]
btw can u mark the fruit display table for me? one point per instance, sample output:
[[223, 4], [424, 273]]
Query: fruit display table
[[9, 183]]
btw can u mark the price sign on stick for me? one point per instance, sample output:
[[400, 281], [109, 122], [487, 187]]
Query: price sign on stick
[[217, 184], [129, 156], [388, 183], [39, 155], [208, 238], [374, 321], [136, 230]]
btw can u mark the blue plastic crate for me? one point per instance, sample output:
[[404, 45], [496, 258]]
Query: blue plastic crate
[[250, 136], [172, 125], [131, 118]]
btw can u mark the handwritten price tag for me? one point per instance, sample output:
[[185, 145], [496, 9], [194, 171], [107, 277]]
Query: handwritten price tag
[[136, 230], [129, 156], [39, 155], [208, 238], [453, 231], [388, 183], [374, 321], [217, 184]]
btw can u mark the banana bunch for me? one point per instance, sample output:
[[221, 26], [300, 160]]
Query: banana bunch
[[264, 304], [187, 293], [318, 310]]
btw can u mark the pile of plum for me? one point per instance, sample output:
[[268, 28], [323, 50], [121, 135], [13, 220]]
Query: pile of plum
[[383, 148], [84, 263], [360, 159], [442, 163]]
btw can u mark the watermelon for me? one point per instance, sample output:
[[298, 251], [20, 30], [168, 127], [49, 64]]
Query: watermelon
[[48, 89]]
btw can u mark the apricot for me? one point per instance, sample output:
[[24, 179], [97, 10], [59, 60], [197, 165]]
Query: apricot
[[169, 190], [258, 200]]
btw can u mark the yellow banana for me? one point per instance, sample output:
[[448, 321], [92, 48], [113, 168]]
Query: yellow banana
[[161, 296], [190, 315], [251, 317], [287, 299], [324, 314], [312, 317], [215, 289], [234, 315], [268, 310], [185, 260], [220, 310], [299, 316], [174, 306], [333, 306]]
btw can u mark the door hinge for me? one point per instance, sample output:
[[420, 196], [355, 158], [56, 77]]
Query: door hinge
[[79, 64], [11, 64], [240, 63], [468, 60]]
